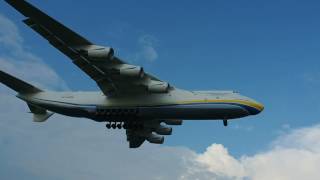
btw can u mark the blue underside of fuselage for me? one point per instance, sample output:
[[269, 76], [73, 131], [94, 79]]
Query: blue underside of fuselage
[[175, 111]]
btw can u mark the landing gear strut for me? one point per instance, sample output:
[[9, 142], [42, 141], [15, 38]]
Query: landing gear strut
[[225, 122]]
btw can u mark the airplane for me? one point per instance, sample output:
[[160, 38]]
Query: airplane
[[130, 98]]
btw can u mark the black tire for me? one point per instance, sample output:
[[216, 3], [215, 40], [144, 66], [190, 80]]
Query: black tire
[[225, 123], [114, 126], [119, 126], [108, 126]]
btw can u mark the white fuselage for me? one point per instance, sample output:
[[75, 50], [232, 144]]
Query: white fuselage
[[178, 104]]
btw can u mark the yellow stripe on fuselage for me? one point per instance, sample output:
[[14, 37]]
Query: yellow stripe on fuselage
[[255, 105]]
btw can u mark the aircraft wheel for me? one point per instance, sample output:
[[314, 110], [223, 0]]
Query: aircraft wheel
[[119, 126], [125, 126], [108, 126], [114, 126]]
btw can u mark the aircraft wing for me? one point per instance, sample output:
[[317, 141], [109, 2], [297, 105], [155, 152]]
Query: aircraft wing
[[112, 75]]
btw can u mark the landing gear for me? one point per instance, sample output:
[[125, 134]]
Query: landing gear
[[124, 125], [114, 125], [225, 122]]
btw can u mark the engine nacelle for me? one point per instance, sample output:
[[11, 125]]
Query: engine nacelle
[[155, 139], [158, 87], [174, 122], [131, 71], [163, 130], [100, 52]]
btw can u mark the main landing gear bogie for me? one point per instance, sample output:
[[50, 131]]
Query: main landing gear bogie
[[124, 125], [113, 125]]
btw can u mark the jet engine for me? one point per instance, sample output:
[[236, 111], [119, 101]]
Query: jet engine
[[174, 122], [158, 87], [100, 52], [131, 71], [155, 139], [163, 130]]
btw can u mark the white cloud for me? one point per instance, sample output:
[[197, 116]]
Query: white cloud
[[292, 156], [223, 162], [9, 34]]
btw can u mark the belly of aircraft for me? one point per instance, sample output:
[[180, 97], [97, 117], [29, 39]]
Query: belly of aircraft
[[195, 111], [210, 111], [186, 112]]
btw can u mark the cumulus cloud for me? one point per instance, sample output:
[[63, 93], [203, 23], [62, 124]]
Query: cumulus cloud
[[295, 155]]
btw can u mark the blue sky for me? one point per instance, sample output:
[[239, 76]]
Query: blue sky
[[267, 50]]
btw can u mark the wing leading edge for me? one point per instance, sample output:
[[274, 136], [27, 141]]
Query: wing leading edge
[[112, 75]]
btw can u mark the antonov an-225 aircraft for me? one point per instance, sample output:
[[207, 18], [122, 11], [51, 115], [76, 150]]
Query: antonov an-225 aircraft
[[131, 98]]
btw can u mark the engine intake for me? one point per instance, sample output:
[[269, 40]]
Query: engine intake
[[131, 71], [174, 122], [163, 130], [158, 87], [155, 139], [100, 52]]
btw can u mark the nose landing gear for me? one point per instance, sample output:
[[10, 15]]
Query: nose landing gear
[[225, 122]]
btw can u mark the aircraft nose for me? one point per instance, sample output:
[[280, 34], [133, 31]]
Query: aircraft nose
[[256, 108]]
